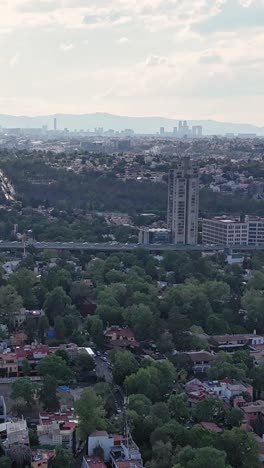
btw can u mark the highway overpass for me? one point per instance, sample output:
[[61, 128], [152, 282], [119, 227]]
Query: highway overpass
[[115, 247]]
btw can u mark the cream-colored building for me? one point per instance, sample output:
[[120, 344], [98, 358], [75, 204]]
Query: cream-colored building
[[183, 202]]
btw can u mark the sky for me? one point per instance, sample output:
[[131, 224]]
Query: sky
[[186, 59]]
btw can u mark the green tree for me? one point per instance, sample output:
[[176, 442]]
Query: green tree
[[63, 354], [55, 303], [30, 326], [43, 326], [10, 304], [90, 411], [210, 409], [80, 293], [234, 417], [162, 455], [154, 381], [48, 394], [23, 388], [140, 404], [56, 367], [257, 376], [178, 408], [33, 438], [63, 458], [20, 455], [84, 363], [59, 327], [23, 281], [5, 462], [25, 366], [142, 321], [206, 457], [124, 364], [241, 448], [96, 328]]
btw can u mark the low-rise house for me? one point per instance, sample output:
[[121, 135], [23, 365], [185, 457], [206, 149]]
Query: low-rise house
[[58, 428], [33, 353], [120, 337], [210, 426], [119, 451], [8, 365], [18, 339], [92, 462], [21, 316], [226, 389], [42, 458], [233, 342], [14, 432], [253, 411], [201, 360]]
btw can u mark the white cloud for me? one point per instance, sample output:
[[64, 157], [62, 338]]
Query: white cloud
[[66, 47], [173, 63], [13, 61], [155, 60], [123, 40]]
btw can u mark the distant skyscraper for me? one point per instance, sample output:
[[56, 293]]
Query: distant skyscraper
[[162, 130], [183, 202], [55, 125]]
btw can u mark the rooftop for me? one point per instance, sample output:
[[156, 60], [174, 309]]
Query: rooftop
[[95, 462]]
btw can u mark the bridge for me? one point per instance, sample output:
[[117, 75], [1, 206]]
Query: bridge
[[116, 247]]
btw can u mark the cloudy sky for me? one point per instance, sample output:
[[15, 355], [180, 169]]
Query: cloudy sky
[[174, 58]]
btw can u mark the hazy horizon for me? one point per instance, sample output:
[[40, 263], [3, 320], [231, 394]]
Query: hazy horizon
[[191, 59]]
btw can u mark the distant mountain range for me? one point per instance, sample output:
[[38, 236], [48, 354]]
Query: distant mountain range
[[118, 123]]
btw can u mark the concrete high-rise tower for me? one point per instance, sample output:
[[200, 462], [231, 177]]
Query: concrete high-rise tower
[[183, 202], [55, 125]]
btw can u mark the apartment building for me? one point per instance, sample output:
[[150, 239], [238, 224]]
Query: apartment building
[[8, 365], [183, 202], [224, 230]]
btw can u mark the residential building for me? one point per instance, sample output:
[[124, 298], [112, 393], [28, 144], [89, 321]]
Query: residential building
[[201, 360], [14, 432], [148, 235], [58, 429], [226, 389], [183, 202], [253, 411], [120, 337], [8, 365], [42, 458], [119, 451], [233, 342], [92, 462]]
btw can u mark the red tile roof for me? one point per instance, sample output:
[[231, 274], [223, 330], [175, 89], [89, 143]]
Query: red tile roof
[[125, 332], [211, 426], [99, 434], [95, 462], [128, 464]]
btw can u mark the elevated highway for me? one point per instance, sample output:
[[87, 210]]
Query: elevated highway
[[115, 247]]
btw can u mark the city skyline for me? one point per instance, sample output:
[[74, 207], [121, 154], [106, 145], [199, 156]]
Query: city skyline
[[196, 59]]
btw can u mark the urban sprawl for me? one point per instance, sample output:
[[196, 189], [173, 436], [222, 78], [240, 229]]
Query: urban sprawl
[[117, 349]]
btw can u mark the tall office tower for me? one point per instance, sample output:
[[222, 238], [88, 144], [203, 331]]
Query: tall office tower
[[162, 130], [180, 127], [55, 125], [183, 202]]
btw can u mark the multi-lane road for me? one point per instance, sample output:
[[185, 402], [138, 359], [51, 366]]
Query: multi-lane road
[[115, 247]]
